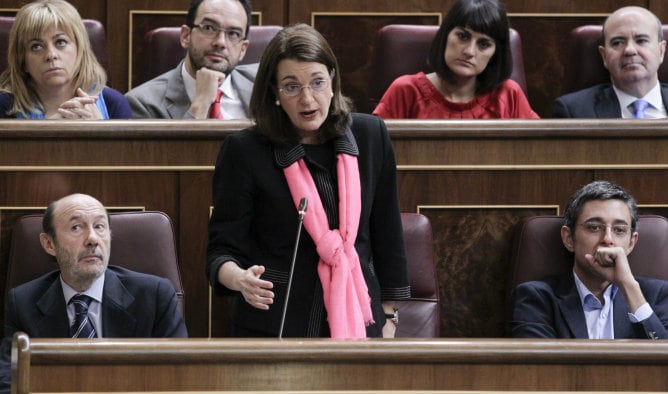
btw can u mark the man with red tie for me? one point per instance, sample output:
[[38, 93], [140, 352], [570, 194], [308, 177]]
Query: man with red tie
[[208, 83]]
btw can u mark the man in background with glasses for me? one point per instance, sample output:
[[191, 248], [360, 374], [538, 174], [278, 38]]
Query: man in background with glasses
[[600, 298], [207, 83]]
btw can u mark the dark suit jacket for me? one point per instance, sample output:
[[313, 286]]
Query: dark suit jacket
[[133, 305], [255, 221], [599, 101], [551, 308]]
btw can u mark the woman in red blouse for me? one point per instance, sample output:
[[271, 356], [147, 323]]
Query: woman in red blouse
[[472, 61]]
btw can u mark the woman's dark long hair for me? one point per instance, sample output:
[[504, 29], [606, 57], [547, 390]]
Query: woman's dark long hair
[[483, 16]]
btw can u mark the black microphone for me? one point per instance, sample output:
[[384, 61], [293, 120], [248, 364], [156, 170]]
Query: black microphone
[[303, 204]]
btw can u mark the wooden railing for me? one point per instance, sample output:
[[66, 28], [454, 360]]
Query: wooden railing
[[50, 365]]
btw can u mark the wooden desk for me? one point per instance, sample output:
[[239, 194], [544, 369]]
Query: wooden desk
[[367, 392], [48, 365], [473, 179]]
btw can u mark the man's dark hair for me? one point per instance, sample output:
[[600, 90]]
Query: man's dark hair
[[598, 190], [47, 220], [194, 5]]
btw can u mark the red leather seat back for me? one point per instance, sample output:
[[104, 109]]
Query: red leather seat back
[[419, 316]]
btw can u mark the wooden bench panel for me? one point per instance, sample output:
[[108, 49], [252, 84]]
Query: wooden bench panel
[[246, 364]]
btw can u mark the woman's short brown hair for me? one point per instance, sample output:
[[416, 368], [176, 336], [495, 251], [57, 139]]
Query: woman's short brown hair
[[303, 43]]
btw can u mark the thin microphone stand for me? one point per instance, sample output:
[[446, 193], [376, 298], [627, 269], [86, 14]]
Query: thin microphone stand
[[303, 204]]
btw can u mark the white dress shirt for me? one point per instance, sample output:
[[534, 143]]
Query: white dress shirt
[[655, 110], [95, 308]]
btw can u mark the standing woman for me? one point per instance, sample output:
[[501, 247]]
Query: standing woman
[[351, 264], [52, 70], [472, 61]]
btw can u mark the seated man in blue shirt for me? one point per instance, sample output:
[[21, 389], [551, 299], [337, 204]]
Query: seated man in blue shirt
[[600, 298]]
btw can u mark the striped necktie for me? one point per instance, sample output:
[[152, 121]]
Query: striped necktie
[[82, 327]]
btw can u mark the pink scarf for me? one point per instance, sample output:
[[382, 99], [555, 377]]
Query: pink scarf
[[346, 295]]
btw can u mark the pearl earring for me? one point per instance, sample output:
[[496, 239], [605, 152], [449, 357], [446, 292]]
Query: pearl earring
[[278, 103]]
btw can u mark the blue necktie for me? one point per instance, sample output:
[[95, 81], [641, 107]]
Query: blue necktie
[[82, 327], [639, 107]]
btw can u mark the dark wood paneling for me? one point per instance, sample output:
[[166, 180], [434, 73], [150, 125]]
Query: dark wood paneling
[[194, 196], [90, 9], [87, 9], [660, 8], [572, 6], [302, 10], [552, 46], [472, 247]]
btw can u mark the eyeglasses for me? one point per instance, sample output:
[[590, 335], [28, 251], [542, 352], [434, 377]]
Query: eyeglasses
[[618, 230], [211, 32], [294, 89]]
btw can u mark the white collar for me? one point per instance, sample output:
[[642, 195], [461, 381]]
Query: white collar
[[583, 291], [653, 97], [94, 291]]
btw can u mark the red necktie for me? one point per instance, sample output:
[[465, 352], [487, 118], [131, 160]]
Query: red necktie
[[215, 112]]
